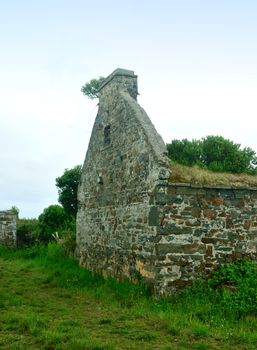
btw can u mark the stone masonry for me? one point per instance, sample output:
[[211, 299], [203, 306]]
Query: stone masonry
[[133, 222], [198, 228], [8, 228]]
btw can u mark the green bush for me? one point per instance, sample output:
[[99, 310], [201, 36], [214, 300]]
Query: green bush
[[237, 286], [52, 220], [214, 153], [219, 154], [28, 231], [185, 152]]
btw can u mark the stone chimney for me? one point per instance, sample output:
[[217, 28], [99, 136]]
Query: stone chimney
[[121, 80]]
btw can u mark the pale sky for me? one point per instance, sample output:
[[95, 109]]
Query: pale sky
[[196, 62]]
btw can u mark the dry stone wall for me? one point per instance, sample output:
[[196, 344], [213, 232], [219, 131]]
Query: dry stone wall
[[199, 228], [132, 222], [8, 228]]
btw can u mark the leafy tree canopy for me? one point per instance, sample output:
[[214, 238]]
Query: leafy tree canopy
[[91, 88], [67, 185], [214, 153]]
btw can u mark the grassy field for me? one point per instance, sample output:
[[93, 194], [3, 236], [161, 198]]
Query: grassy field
[[48, 302]]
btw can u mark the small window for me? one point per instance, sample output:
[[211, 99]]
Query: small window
[[107, 135]]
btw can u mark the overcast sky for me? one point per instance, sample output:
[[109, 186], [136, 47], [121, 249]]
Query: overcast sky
[[196, 63]]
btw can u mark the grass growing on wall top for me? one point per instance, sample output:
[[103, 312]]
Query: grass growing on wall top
[[48, 302], [198, 176]]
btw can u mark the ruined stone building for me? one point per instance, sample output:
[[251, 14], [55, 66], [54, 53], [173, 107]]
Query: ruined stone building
[[8, 228], [133, 221]]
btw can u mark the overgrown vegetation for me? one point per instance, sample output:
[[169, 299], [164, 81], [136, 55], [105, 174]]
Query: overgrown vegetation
[[28, 232], [204, 177], [52, 220], [56, 222], [48, 302], [237, 285], [214, 153], [33, 232]]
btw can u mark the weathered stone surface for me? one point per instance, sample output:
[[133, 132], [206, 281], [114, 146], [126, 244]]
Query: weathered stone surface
[[8, 228], [154, 217], [116, 225], [132, 221]]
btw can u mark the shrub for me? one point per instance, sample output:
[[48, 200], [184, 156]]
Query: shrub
[[67, 236], [28, 231], [52, 220], [219, 154], [214, 153], [237, 285], [185, 152]]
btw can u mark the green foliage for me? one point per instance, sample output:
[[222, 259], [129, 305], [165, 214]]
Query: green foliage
[[15, 210], [68, 236], [237, 286], [55, 218], [51, 220], [69, 241], [91, 88], [214, 153], [67, 185], [219, 154], [230, 294], [28, 231], [185, 152]]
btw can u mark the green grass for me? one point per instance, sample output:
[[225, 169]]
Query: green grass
[[48, 302]]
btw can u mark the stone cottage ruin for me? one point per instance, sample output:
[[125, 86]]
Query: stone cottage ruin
[[8, 228], [133, 221]]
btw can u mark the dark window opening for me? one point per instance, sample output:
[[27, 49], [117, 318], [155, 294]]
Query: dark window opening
[[107, 135]]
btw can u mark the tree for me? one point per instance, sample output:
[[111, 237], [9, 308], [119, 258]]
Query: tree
[[51, 220], [68, 188], [91, 88], [214, 153]]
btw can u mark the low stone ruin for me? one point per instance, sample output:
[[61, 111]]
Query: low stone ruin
[[8, 228]]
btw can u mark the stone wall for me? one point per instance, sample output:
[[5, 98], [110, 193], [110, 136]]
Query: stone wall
[[133, 222], [199, 228], [8, 228], [124, 160]]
